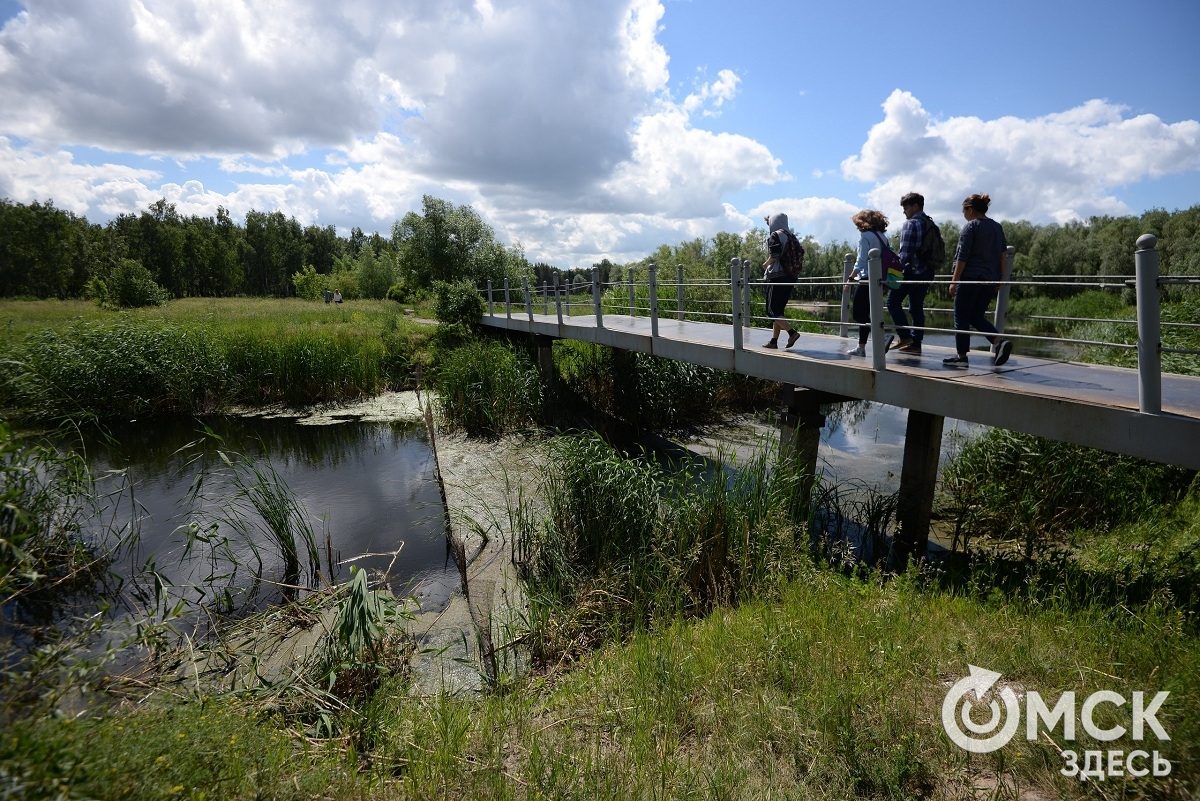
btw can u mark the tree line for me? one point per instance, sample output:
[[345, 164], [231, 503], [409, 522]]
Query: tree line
[[47, 252]]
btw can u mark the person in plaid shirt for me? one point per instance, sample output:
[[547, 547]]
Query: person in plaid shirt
[[911, 236]]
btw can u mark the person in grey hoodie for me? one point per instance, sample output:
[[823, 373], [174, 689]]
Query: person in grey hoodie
[[780, 290]]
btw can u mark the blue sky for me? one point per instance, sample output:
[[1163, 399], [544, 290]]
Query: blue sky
[[601, 129]]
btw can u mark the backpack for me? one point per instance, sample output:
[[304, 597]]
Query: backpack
[[893, 269], [793, 253], [932, 253]]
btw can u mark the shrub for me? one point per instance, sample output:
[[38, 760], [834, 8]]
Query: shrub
[[458, 303], [309, 283], [128, 286]]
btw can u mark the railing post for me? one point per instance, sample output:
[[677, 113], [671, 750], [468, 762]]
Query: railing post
[[558, 298], [735, 275], [1149, 346], [1002, 295], [847, 266], [653, 300], [747, 316], [507, 301], [545, 297], [629, 284], [679, 292], [491, 306], [596, 297], [875, 268], [528, 298]]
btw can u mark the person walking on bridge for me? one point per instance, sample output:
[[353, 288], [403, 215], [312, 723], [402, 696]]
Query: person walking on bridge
[[979, 265], [917, 274], [871, 225], [780, 290]]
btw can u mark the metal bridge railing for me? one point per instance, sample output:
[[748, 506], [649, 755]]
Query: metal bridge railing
[[729, 302]]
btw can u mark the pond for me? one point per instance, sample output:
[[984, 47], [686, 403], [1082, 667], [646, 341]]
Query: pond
[[366, 489]]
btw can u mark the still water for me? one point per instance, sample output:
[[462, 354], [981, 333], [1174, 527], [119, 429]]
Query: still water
[[370, 496], [367, 490]]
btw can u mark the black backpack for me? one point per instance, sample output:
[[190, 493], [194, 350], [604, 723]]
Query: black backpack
[[932, 253], [793, 253]]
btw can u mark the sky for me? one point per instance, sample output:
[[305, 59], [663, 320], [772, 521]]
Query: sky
[[598, 129]]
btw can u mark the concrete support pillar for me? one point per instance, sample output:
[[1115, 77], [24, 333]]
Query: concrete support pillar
[[545, 361], [800, 427], [918, 480]]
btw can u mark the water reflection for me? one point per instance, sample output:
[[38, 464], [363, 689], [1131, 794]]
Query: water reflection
[[367, 490]]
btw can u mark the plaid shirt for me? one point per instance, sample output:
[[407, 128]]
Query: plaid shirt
[[910, 243]]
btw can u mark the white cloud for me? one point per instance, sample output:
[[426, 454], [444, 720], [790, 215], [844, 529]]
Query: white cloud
[[826, 219], [1059, 167], [553, 120]]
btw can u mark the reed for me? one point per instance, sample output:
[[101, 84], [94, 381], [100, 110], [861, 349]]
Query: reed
[[649, 392], [487, 388], [625, 543], [245, 496], [1008, 486], [197, 358]]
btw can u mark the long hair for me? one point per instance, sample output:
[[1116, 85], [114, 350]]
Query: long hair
[[870, 220]]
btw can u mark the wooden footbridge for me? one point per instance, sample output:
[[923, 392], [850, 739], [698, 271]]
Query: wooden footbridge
[[1140, 412]]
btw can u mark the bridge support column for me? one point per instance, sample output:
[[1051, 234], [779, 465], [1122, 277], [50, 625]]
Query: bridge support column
[[800, 425], [545, 362], [918, 479]]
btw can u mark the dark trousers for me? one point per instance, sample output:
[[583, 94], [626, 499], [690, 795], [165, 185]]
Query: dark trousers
[[862, 310], [970, 311], [916, 303]]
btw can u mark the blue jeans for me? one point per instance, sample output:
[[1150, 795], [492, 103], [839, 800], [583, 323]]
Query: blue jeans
[[916, 304], [970, 311]]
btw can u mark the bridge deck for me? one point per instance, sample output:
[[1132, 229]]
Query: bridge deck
[[1090, 405]]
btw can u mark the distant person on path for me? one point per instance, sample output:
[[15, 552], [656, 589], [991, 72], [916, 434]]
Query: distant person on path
[[327, 295], [780, 290], [979, 265], [337, 296], [916, 275], [871, 225]]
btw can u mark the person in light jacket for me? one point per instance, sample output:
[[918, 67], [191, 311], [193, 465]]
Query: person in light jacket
[[871, 225]]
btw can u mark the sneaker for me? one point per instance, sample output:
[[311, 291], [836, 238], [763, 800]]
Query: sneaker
[[889, 343], [912, 346], [793, 335], [955, 361], [1003, 351], [859, 351], [772, 344]]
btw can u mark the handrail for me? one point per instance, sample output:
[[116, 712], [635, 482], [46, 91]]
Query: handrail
[[733, 299]]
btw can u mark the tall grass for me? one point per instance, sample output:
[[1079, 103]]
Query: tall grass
[[45, 498], [488, 388], [199, 358], [1010, 486], [626, 544], [649, 392], [250, 510]]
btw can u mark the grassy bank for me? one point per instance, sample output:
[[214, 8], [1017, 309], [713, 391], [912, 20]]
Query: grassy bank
[[830, 689], [712, 653], [71, 360]]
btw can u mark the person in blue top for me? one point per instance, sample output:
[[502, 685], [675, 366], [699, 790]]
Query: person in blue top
[[916, 276], [871, 225], [979, 265]]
